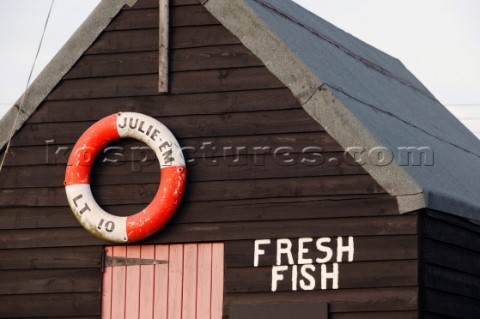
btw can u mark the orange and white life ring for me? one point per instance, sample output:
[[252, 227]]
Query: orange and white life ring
[[173, 175]]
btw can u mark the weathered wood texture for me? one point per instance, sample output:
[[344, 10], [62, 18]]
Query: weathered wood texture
[[451, 266], [187, 285], [312, 310], [164, 41], [259, 167]]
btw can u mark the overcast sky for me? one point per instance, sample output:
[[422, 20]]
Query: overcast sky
[[439, 41]]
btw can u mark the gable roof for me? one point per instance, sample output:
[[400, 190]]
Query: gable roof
[[360, 95], [363, 97]]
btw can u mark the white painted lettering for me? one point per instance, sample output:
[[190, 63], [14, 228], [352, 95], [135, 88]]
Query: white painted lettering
[[258, 251], [308, 283], [284, 247], [301, 268], [329, 275], [277, 276], [302, 250], [345, 249], [324, 249], [294, 277]]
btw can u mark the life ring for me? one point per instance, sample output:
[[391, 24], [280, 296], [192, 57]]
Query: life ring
[[173, 175]]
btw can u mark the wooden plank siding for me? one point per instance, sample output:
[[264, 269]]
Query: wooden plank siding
[[252, 174], [450, 275]]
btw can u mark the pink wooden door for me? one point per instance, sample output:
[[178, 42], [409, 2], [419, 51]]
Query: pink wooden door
[[163, 282]]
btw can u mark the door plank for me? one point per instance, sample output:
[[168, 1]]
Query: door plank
[[175, 279], [204, 284], [107, 288], [217, 281], [189, 281], [132, 292], [147, 277], [118, 285], [161, 281]]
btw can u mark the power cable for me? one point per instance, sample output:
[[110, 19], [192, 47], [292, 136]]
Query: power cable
[[28, 83]]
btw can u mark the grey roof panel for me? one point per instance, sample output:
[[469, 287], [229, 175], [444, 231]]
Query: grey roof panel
[[303, 25], [363, 97], [362, 72], [452, 178]]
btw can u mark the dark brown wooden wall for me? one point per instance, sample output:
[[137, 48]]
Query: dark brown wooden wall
[[450, 276], [220, 95]]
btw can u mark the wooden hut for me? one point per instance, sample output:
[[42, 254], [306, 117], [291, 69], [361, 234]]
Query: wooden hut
[[324, 180]]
